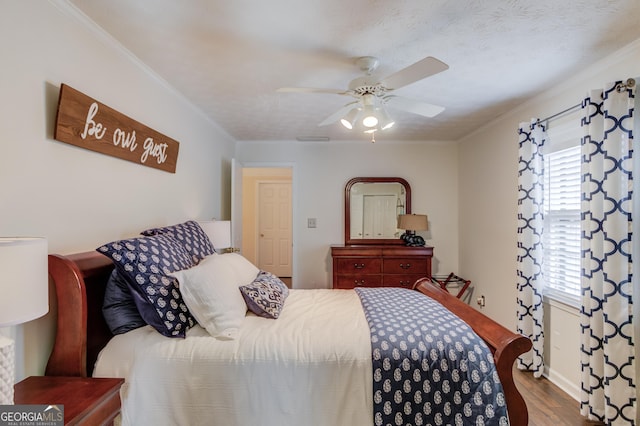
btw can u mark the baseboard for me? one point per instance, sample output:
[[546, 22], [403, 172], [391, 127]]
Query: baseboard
[[570, 388]]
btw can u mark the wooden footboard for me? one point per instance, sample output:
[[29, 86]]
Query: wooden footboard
[[505, 345], [80, 280]]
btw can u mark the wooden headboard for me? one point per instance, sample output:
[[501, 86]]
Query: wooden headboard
[[80, 280]]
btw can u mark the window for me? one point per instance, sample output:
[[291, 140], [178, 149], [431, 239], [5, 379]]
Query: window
[[562, 214]]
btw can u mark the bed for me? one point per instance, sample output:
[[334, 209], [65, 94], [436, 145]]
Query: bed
[[82, 336]]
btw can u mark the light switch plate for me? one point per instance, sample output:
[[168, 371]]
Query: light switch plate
[[311, 222]]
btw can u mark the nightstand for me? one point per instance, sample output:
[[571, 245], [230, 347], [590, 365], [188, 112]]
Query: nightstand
[[87, 401]]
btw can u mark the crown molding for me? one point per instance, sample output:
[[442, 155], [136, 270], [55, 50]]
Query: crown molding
[[69, 9]]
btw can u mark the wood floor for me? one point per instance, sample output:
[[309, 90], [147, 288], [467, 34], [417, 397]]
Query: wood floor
[[548, 404]]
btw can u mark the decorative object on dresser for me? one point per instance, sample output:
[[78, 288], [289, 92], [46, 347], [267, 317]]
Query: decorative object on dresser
[[23, 261], [412, 223], [379, 265]]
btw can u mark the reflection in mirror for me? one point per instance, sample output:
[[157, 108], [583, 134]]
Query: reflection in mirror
[[372, 206], [375, 208]]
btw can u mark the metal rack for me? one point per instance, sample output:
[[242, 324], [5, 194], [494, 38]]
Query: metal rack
[[452, 282]]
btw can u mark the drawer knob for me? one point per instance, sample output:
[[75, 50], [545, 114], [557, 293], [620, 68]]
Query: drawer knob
[[358, 265], [405, 265], [358, 283]]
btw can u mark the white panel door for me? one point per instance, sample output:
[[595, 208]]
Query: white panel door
[[274, 228]]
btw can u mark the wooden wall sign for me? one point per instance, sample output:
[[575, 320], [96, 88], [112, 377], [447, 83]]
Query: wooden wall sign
[[85, 122]]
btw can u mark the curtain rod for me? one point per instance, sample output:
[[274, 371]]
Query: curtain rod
[[558, 114], [621, 86]]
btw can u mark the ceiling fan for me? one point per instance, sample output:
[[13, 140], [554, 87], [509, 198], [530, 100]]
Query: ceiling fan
[[372, 94]]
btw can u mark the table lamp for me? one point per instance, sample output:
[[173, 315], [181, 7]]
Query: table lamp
[[219, 232], [412, 223], [25, 297]]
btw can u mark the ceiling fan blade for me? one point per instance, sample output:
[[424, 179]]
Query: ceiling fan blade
[[413, 106], [310, 90], [421, 69], [339, 114]]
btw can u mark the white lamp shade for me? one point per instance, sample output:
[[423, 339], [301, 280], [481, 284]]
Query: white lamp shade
[[25, 280], [219, 232]]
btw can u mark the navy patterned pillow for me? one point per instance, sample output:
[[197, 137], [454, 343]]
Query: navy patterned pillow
[[118, 306], [191, 235], [265, 296], [145, 263]]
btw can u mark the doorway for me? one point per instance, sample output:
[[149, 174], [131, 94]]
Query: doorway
[[267, 219]]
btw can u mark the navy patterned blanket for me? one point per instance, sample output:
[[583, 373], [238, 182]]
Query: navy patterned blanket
[[429, 366]]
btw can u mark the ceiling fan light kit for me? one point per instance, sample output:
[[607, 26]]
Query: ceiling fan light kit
[[386, 122], [369, 120], [374, 117], [372, 94], [350, 119], [369, 110]]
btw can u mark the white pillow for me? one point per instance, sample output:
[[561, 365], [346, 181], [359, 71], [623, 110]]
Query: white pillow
[[211, 292], [247, 271]]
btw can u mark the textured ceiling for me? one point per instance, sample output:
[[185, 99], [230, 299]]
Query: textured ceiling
[[229, 57]]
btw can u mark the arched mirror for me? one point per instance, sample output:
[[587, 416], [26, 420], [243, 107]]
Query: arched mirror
[[372, 206]]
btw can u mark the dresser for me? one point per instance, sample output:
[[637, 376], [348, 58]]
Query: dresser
[[379, 265]]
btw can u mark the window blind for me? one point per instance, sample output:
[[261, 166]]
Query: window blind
[[561, 235]]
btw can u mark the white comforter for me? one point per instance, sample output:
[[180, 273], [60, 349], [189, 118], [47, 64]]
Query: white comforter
[[311, 366]]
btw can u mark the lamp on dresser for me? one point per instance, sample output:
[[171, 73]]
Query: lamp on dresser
[[25, 297], [412, 223]]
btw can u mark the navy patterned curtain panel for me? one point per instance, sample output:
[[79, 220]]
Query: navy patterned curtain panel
[[607, 358], [532, 138], [608, 389]]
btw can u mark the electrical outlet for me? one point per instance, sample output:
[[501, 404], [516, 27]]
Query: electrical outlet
[[480, 301], [311, 222]]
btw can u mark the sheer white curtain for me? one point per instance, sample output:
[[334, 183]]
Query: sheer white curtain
[[608, 375], [530, 281]]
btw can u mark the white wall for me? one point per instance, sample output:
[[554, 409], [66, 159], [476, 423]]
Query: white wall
[[488, 202], [77, 198], [321, 171]]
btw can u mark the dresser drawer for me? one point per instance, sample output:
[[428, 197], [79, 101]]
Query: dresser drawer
[[355, 280], [409, 265], [372, 265], [359, 265], [405, 281]]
